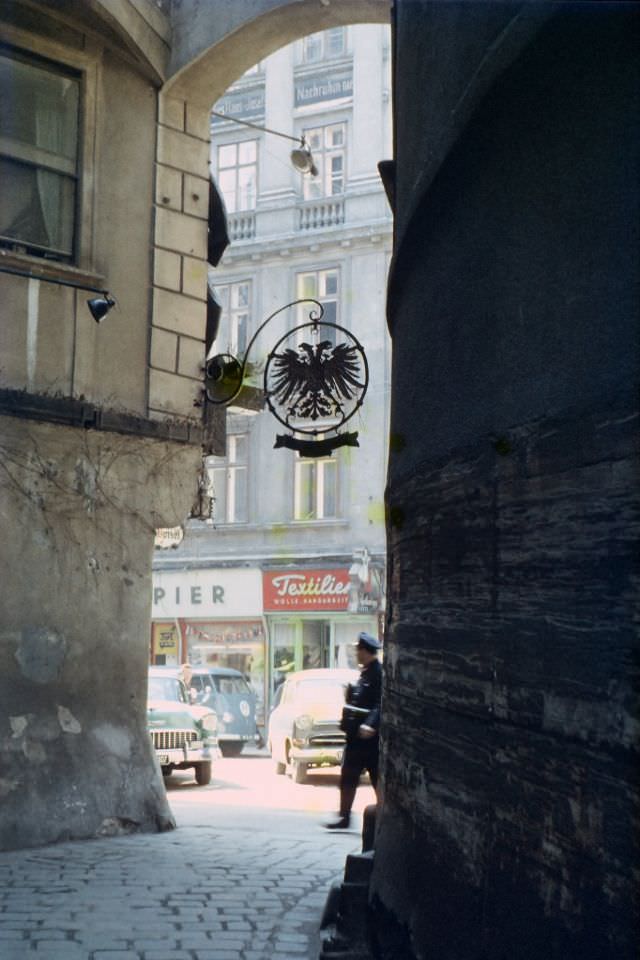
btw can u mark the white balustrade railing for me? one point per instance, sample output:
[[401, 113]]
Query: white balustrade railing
[[318, 214], [241, 226]]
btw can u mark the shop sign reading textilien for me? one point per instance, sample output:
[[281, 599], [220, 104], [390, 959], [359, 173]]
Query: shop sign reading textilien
[[305, 590]]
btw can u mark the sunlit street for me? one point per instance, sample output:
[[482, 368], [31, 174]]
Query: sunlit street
[[246, 791]]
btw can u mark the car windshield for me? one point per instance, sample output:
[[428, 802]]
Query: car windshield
[[231, 685], [327, 692], [166, 688]]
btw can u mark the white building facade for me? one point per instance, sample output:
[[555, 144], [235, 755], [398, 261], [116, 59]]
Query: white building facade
[[294, 545]]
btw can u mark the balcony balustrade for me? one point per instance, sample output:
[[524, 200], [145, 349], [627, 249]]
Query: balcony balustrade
[[241, 226], [319, 214]]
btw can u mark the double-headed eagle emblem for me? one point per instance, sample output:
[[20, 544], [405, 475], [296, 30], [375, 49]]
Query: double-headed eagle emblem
[[314, 381], [316, 386]]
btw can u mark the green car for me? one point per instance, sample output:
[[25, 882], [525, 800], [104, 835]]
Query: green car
[[183, 735]]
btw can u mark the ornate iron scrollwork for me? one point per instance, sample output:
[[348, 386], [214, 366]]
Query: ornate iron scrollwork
[[315, 380]]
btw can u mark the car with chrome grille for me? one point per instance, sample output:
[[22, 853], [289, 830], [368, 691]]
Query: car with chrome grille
[[184, 736], [304, 727]]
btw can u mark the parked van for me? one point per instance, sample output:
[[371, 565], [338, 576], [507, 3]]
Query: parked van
[[227, 693]]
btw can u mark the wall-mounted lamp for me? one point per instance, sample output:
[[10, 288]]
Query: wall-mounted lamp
[[300, 157], [98, 306]]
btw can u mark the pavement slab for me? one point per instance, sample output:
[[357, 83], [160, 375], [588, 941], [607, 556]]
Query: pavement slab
[[153, 908], [244, 877]]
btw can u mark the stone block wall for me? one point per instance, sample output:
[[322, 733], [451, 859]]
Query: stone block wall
[[180, 264]]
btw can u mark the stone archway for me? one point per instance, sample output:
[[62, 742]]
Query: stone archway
[[210, 51]]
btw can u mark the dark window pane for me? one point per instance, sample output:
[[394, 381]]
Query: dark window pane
[[36, 207]]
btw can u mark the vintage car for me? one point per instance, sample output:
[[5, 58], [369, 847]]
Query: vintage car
[[183, 735], [227, 693], [304, 726]]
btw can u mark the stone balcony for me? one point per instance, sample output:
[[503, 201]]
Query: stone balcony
[[241, 226], [320, 214]]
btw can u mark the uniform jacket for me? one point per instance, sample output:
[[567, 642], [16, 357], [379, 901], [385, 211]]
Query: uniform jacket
[[367, 694]]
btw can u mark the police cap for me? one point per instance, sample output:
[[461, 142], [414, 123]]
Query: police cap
[[368, 642]]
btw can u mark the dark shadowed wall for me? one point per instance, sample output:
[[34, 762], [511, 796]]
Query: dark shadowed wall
[[511, 725]]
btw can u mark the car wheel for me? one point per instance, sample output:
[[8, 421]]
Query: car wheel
[[231, 748], [203, 773], [280, 768], [299, 771]]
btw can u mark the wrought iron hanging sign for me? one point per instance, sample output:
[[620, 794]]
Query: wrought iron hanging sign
[[315, 379]]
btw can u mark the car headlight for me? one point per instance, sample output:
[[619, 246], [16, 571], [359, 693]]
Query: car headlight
[[227, 717], [210, 722], [303, 723]]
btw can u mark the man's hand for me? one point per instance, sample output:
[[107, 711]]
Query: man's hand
[[365, 731]]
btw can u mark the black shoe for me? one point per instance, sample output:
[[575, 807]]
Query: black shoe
[[341, 824]]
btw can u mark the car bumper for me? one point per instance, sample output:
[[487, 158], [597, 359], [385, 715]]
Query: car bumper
[[187, 755], [239, 737], [319, 756]]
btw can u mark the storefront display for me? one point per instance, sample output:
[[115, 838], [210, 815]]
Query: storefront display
[[264, 623], [211, 618], [312, 619]]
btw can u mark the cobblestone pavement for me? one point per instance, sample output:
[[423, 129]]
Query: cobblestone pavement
[[250, 888]]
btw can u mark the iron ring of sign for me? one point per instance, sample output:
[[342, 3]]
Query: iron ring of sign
[[314, 324]]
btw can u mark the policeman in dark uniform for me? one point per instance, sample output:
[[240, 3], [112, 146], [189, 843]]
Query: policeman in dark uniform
[[360, 722]]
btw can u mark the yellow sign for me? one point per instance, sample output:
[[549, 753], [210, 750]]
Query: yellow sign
[[165, 642]]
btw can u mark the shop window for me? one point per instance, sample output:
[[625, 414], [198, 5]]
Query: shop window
[[316, 488], [325, 45], [284, 654], [229, 482], [39, 147], [315, 644], [237, 174], [235, 301], [328, 146]]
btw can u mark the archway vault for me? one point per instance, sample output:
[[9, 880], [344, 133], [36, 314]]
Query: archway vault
[[211, 49]]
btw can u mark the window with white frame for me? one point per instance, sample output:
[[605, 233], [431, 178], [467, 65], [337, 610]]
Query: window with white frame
[[328, 147], [326, 45], [229, 481], [315, 488], [39, 149], [324, 286], [237, 174], [235, 317]]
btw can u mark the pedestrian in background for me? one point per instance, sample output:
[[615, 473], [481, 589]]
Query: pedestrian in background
[[360, 723]]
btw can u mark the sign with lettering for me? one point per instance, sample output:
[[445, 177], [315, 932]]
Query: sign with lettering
[[202, 594], [325, 589], [240, 105], [322, 86], [167, 537]]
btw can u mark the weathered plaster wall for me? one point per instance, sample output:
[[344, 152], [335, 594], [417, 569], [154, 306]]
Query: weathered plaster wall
[[509, 821], [79, 511]]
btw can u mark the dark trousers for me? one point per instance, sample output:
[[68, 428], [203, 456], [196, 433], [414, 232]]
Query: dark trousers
[[359, 755]]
